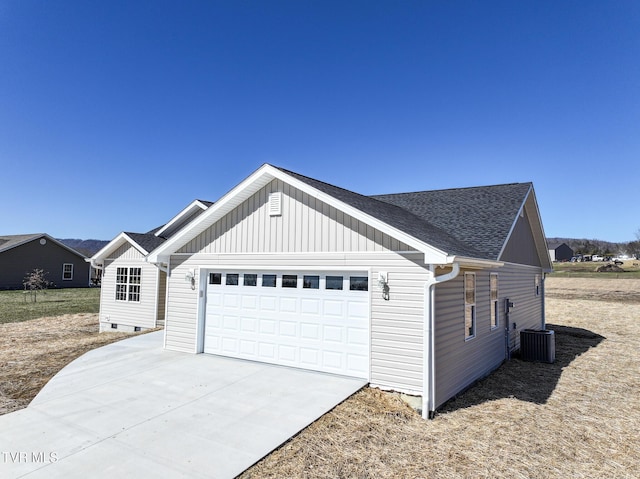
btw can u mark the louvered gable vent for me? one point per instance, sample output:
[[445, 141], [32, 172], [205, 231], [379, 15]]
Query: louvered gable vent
[[275, 203]]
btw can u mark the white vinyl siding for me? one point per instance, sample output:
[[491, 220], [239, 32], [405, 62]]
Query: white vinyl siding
[[460, 362], [142, 313], [305, 225]]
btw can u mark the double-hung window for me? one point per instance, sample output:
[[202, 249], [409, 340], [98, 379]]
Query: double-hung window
[[128, 284], [493, 286], [469, 305], [67, 271]]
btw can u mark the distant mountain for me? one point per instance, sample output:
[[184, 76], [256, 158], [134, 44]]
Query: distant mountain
[[86, 247]]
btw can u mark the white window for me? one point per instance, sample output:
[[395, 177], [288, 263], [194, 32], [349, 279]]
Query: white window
[[493, 286], [128, 284], [67, 271], [469, 305], [537, 284]]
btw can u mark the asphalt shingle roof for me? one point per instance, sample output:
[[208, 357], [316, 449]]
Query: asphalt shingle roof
[[473, 222], [479, 216], [397, 216], [148, 241]]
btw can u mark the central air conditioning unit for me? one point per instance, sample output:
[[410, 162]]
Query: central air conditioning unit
[[539, 346]]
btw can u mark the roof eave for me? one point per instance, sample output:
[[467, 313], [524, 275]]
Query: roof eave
[[261, 177]]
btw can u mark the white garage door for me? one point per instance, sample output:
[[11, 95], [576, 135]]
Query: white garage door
[[316, 321]]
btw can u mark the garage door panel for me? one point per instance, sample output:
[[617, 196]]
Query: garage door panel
[[267, 351], [267, 326], [358, 336], [287, 353], [310, 306], [313, 328], [333, 334], [332, 308], [267, 303], [229, 345], [309, 357], [332, 360], [248, 347], [309, 331], [249, 325], [288, 329], [288, 305], [249, 302]]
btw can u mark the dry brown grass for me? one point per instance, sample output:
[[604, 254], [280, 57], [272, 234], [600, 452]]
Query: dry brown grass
[[32, 352], [577, 418]]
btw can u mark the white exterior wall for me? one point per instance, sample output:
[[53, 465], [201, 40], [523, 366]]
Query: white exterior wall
[[309, 236], [125, 314], [460, 363]]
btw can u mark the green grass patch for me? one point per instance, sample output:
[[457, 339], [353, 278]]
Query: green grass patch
[[587, 269], [16, 306]]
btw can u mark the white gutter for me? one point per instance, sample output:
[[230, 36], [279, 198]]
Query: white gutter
[[429, 356]]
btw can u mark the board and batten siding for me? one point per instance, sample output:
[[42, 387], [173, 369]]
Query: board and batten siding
[[306, 225], [460, 362], [127, 313]]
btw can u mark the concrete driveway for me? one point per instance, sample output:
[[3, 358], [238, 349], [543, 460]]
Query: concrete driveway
[[132, 409]]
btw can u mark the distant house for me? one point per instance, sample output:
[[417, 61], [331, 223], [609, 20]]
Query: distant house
[[560, 252], [21, 254], [422, 292], [133, 291]]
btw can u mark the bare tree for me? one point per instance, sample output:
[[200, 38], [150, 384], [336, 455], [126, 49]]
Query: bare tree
[[35, 281]]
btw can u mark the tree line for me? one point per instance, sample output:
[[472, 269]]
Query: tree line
[[600, 247]]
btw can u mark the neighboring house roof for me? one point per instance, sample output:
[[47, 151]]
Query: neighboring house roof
[[8, 242], [479, 216], [557, 244], [473, 224]]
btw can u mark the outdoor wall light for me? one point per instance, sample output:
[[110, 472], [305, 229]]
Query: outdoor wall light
[[190, 277], [383, 284]]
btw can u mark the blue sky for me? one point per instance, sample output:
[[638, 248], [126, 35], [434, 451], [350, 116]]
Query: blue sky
[[114, 115]]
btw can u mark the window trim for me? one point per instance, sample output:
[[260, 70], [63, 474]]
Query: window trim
[[64, 272], [494, 303], [472, 306], [537, 283], [129, 290]]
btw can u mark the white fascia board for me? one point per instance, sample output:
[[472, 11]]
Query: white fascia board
[[113, 245], [230, 200], [261, 177], [466, 262], [185, 212]]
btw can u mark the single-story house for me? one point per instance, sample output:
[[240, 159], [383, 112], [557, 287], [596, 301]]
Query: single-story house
[[422, 293], [560, 252], [132, 297], [21, 254]]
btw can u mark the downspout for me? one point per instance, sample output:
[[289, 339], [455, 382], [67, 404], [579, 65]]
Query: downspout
[[544, 317], [429, 360]]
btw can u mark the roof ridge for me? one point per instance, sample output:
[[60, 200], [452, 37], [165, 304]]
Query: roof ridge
[[453, 189]]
